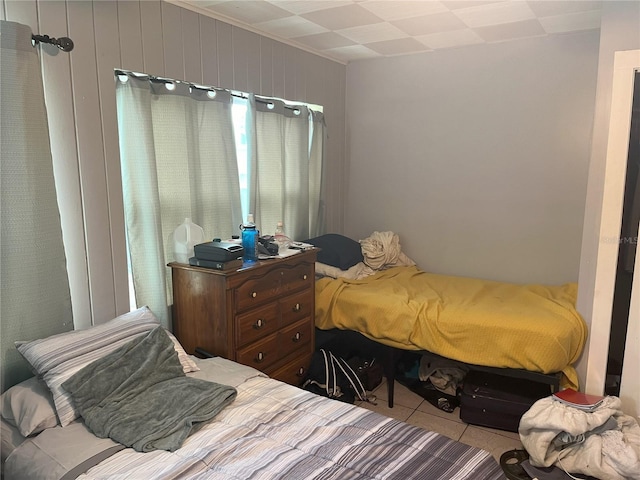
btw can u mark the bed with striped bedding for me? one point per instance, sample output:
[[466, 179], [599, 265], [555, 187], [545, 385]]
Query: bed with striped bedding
[[273, 430], [270, 431]]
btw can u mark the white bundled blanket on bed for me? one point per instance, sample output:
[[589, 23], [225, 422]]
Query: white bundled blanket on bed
[[604, 443], [381, 250]]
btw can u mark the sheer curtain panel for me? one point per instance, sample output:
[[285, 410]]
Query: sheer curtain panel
[[178, 160], [34, 299], [316, 174], [288, 174]]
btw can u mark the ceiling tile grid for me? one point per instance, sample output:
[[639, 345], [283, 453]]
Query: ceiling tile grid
[[347, 30]]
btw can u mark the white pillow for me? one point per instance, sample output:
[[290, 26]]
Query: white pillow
[[58, 357], [29, 407]]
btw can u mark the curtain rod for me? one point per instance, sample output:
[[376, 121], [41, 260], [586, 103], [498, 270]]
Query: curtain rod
[[233, 93], [63, 43]]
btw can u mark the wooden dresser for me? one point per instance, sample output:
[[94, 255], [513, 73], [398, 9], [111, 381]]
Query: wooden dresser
[[261, 315]]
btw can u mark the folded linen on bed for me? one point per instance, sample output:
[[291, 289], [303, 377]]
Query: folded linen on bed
[[481, 322], [139, 396]]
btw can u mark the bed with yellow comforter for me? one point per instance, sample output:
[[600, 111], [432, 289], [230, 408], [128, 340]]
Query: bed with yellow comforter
[[480, 322]]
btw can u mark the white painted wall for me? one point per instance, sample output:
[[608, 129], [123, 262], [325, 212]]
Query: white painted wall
[[162, 39], [477, 157]]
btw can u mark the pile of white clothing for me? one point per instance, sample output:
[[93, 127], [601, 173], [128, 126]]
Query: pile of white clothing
[[604, 443], [382, 249]]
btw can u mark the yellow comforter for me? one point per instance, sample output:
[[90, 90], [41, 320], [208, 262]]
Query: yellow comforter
[[534, 327]]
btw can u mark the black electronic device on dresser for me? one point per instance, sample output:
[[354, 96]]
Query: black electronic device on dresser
[[261, 315], [218, 251]]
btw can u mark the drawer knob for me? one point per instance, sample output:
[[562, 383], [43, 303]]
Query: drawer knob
[[254, 294], [259, 324], [301, 371], [259, 358], [297, 337], [304, 277], [297, 307]]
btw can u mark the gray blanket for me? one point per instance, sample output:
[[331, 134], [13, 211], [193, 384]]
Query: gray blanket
[[139, 396]]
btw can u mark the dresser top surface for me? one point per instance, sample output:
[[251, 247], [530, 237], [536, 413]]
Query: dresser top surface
[[304, 256]]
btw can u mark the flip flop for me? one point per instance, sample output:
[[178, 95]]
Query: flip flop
[[443, 404], [510, 463]]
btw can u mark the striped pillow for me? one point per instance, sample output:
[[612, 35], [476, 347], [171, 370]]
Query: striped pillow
[[58, 357]]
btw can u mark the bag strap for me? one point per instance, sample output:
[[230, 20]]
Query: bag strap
[[351, 375], [329, 374]]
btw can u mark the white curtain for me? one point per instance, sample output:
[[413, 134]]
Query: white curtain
[[316, 174], [35, 298], [288, 167], [178, 160]]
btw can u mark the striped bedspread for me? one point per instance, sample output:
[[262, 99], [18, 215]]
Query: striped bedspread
[[276, 431]]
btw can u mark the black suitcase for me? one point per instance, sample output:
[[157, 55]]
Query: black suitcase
[[496, 401]]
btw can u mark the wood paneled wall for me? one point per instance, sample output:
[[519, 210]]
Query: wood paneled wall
[[157, 38]]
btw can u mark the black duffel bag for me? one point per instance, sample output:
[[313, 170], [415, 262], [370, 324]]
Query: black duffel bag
[[331, 376]]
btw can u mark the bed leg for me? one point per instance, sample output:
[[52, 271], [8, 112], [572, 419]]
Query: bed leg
[[390, 373]]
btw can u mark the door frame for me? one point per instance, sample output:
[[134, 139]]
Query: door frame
[[626, 63]]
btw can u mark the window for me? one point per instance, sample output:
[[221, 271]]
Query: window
[[199, 167]]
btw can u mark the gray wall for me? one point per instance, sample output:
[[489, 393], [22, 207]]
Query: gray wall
[[157, 38], [477, 157]]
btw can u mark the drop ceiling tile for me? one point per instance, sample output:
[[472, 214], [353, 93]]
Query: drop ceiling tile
[[249, 11], [399, 9], [324, 41], [290, 27], [456, 4], [352, 52], [571, 22], [342, 17], [372, 33], [455, 38], [510, 31], [398, 47], [495, 14], [305, 6], [439, 22], [207, 3], [545, 8]]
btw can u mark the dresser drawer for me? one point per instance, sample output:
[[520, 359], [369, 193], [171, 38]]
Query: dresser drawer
[[294, 337], [293, 372], [295, 307], [302, 276], [276, 282], [256, 324], [261, 354]]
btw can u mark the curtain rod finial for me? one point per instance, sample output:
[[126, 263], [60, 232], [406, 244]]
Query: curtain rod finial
[[63, 43]]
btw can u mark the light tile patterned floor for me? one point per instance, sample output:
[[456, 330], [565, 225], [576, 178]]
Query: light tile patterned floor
[[412, 408]]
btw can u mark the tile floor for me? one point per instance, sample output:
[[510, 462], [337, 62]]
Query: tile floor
[[412, 408]]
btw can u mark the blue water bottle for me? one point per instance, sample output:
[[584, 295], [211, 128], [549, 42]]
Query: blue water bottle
[[250, 240]]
